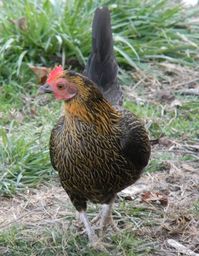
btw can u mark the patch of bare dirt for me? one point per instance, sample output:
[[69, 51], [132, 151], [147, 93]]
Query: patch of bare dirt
[[162, 82], [178, 187], [38, 207]]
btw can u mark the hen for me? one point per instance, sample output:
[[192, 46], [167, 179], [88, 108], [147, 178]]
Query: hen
[[97, 149]]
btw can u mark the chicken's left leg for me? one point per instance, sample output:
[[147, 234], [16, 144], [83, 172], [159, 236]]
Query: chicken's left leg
[[90, 232]]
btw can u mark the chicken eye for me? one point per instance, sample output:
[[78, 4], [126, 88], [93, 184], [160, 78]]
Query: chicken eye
[[60, 86]]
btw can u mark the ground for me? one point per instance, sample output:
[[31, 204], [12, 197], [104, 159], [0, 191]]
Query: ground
[[42, 220], [162, 205]]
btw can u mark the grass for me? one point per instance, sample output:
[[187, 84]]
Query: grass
[[24, 162], [196, 207], [59, 32], [170, 122], [146, 34], [24, 156], [21, 241], [59, 237]]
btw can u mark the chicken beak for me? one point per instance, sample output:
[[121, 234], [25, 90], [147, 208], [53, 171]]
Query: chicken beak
[[46, 88]]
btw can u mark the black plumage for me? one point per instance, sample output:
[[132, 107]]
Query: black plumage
[[102, 66]]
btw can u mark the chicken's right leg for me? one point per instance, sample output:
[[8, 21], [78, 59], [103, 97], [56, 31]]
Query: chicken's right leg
[[93, 238], [105, 218], [89, 230]]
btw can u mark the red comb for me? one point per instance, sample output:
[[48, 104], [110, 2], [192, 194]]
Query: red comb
[[55, 73]]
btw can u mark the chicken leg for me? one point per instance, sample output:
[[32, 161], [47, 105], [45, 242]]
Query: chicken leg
[[105, 218], [89, 230], [93, 238]]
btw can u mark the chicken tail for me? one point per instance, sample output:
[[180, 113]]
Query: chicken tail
[[102, 66]]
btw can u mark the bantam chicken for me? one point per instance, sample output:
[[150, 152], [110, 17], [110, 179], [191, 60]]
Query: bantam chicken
[[97, 148]]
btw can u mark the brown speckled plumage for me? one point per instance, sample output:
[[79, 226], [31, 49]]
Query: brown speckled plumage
[[98, 151]]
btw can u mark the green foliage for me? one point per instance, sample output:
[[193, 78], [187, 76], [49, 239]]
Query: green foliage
[[60, 32], [173, 123], [53, 240], [24, 159], [196, 207]]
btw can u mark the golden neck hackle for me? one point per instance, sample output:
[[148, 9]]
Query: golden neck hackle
[[101, 114]]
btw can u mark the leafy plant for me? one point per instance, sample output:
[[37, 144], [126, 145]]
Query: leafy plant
[[49, 32]]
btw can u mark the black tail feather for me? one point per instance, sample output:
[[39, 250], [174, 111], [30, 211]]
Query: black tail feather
[[102, 66], [102, 41]]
